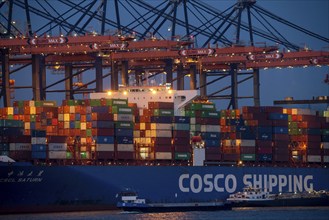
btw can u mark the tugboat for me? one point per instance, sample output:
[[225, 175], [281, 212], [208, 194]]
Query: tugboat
[[256, 197], [131, 203]]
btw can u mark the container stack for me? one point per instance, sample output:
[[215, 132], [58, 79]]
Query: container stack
[[39, 144], [74, 121], [325, 136], [10, 130], [58, 148], [124, 129], [20, 148], [161, 129], [37, 115], [305, 135], [103, 132], [181, 138], [232, 133], [204, 121]]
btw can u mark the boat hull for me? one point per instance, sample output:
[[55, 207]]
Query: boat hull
[[322, 201], [26, 188]]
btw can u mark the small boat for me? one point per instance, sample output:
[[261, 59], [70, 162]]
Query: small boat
[[131, 203], [256, 197]]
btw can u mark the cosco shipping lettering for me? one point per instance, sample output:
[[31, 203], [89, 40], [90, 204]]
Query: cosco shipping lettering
[[167, 145]]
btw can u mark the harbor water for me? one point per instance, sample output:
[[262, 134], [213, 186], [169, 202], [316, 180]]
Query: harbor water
[[282, 213]]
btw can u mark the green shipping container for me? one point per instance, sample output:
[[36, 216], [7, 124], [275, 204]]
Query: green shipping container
[[77, 124], [189, 113], [89, 133], [124, 124], [117, 102], [202, 106], [45, 104], [163, 112], [121, 110], [210, 114], [325, 131], [182, 156], [248, 157], [95, 102], [11, 123]]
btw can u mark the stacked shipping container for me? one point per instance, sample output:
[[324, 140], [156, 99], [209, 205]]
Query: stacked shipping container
[[113, 129]]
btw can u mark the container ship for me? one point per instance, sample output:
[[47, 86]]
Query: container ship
[[170, 146]]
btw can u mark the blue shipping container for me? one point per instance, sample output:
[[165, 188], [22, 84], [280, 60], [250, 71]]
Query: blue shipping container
[[280, 130], [278, 116], [100, 109], [212, 143], [161, 119], [181, 119], [102, 124], [124, 132], [210, 135], [38, 133], [104, 140], [39, 147], [125, 140], [39, 154], [265, 157]]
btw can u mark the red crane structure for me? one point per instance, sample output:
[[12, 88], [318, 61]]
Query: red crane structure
[[126, 57]]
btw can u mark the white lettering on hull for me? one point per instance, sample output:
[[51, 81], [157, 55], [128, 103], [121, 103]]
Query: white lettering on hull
[[197, 183]]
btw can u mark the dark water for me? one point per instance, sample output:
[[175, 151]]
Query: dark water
[[293, 213]]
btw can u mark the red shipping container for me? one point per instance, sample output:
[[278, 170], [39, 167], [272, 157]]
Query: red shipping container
[[231, 157], [247, 150], [280, 137], [125, 155], [182, 148], [181, 134], [104, 155], [313, 151], [162, 148], [280, 157], [313, 144], [281, 144], [264, 150], [161, 140], [263, 143]]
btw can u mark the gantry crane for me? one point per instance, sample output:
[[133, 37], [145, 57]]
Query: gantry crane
[[128, 56]]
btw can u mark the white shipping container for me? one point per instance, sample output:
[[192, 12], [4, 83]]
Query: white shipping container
[[57, 154], [161, 133], [161, 126], [125, 147], [325, 145], [66, 125], [20, 147], [104, 147], [38, 140], [123, 117], [199, 156], [60, 117], [247, 143], [163, 156], [57, 146], [83, 126], [192, 121], [314, 158], [326, 159], [141, 112], [210, 128]]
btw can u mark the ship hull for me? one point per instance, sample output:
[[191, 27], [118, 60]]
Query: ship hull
[[71, 188], [175, 207]]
